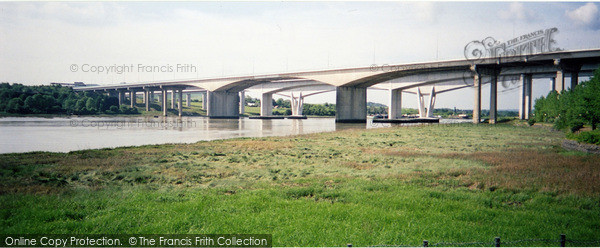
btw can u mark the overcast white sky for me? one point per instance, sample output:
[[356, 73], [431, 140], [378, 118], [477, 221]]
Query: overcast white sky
[[39, 42]]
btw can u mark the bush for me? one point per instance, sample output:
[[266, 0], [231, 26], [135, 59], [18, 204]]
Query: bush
[[114, 109], [591, 137], [576, 125]]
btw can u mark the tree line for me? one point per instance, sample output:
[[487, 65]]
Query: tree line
[[572, 109], [56, 99]]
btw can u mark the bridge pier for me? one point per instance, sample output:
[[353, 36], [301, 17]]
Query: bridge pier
[[351, 104], [421, 103], [426, 111], [164, 102], [564, 67], [179, 103], [494, 99], [121, 96], [477, 102], [297, 104], [223, 104], [432, 98], [188, 100], [493, 73], [266, 104], [146, 99], [395, 107], [242, 102], [132, 97], [574, 79], [525, 103], [173, 99], [559, 84], [204, 100]]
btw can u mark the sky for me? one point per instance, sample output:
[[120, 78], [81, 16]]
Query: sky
[[43, 42]]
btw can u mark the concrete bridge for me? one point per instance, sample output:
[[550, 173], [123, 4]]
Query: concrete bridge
[[225, 95]]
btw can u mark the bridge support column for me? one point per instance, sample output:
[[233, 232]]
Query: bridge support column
[[205, 100], [164, 102], [173, 99], [223, 104], [121, 96], [297, 104], [188, 100], [525, 104], [432, 98], [179, 103], [494, 99], [559, 84], [266, 104], [351, 104], [151, 96], [421, 103], [574, 79], [242, 102], [132, 97], [426, 111], [477, 102], [395, 109], [147, 100], [553, 83]]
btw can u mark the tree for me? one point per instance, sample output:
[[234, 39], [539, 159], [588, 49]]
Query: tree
[[590, 99], [572, 109], [15, 105], [90, 105]]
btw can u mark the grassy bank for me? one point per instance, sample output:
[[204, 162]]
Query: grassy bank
[[453, 183]]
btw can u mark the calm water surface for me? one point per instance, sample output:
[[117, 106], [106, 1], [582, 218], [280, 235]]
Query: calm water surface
[[26, 134]]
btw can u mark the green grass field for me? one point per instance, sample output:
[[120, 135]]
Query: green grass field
[[389, 186]]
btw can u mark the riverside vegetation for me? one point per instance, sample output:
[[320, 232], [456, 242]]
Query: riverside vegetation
[[399, 185], [576, 110]]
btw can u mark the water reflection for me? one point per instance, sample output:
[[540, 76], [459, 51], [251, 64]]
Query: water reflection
[[24, 134]]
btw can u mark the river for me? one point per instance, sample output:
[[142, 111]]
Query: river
[[64, 134]]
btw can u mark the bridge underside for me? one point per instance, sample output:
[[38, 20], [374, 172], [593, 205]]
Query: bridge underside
[[223, 97]]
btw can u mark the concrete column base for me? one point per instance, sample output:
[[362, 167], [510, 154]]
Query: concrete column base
[[222, 104], [164, 102], [173, 99], [179, 103], [266, 104], [132, 98], [494, 99], [477, 102], [204, 100], [242, 102], [395, 109], [525, 97], [559, 84], [351, 105]]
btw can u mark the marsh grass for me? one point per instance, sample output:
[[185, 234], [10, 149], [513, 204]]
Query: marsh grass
[[452, 183]]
